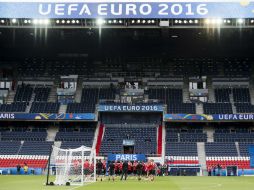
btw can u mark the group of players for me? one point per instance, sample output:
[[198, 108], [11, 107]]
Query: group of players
[[125, 168]]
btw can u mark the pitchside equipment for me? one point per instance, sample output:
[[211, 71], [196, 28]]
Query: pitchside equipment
[[73, 166]]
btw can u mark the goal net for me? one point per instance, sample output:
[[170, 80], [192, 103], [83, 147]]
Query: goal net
[[73, 166]]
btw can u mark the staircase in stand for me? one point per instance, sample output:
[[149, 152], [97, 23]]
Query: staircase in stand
[[202, 156], [63, 108], [78, 93], [51, 133], [10, 96]]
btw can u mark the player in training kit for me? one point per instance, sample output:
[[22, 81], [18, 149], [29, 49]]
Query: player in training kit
[[151, 170], [129, 167], [134, 165], [124, 170], [111, 171], [139, 170], [77, 167], [99, 167], [86, 168]]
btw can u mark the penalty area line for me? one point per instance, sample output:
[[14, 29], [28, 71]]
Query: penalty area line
[[80, 186]]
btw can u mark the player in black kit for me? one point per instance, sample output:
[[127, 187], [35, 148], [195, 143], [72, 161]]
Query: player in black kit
[[139, 169], [111, 171], [124, 170], [99, 167]]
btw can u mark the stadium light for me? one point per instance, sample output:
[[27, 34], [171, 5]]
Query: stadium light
[[196, 21], [2, 21], [207, 21], [100, 21], [46, 21], [35, 21], [14, 20], [240, 21], [41, 21], [219, 21], [227, 21], [215, 21], [57, 21]]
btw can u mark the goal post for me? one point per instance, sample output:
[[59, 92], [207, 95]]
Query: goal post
[[72, 166]]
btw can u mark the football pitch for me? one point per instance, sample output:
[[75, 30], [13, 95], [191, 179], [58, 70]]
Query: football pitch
[[160, 183]]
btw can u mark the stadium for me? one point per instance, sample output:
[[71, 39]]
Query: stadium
[[120, 94]]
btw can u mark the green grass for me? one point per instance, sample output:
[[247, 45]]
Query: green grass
[[160, 183]]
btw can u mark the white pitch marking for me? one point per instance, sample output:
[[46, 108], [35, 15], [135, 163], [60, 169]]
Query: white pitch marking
[[80, 186]]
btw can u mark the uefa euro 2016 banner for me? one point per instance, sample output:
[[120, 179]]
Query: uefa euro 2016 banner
[[204, 117], [126, 8], [126, 157], [130, 108], [44, 116]]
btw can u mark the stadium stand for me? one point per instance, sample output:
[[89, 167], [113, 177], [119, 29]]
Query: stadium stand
[[44, 107], [241, 94], [222, 95], [75, 138], [13, 107], [244, 108], [90, 97], [143, 134], [7, 148], [218, 108], [221, 149], [181, 149], [41, 94], [27, 136], [23, 93]]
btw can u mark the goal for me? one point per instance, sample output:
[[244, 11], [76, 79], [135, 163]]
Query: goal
[[73, 166]]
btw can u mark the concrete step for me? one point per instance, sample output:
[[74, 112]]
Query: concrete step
[[78, 94], [52, 95], [232, 102], [199, 109], [51, 133], [10, 97], [251, 88], [186, 93], [237, 149], [202, 157], [63, 108], [28, 107], [210, 132], [211, 93]]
